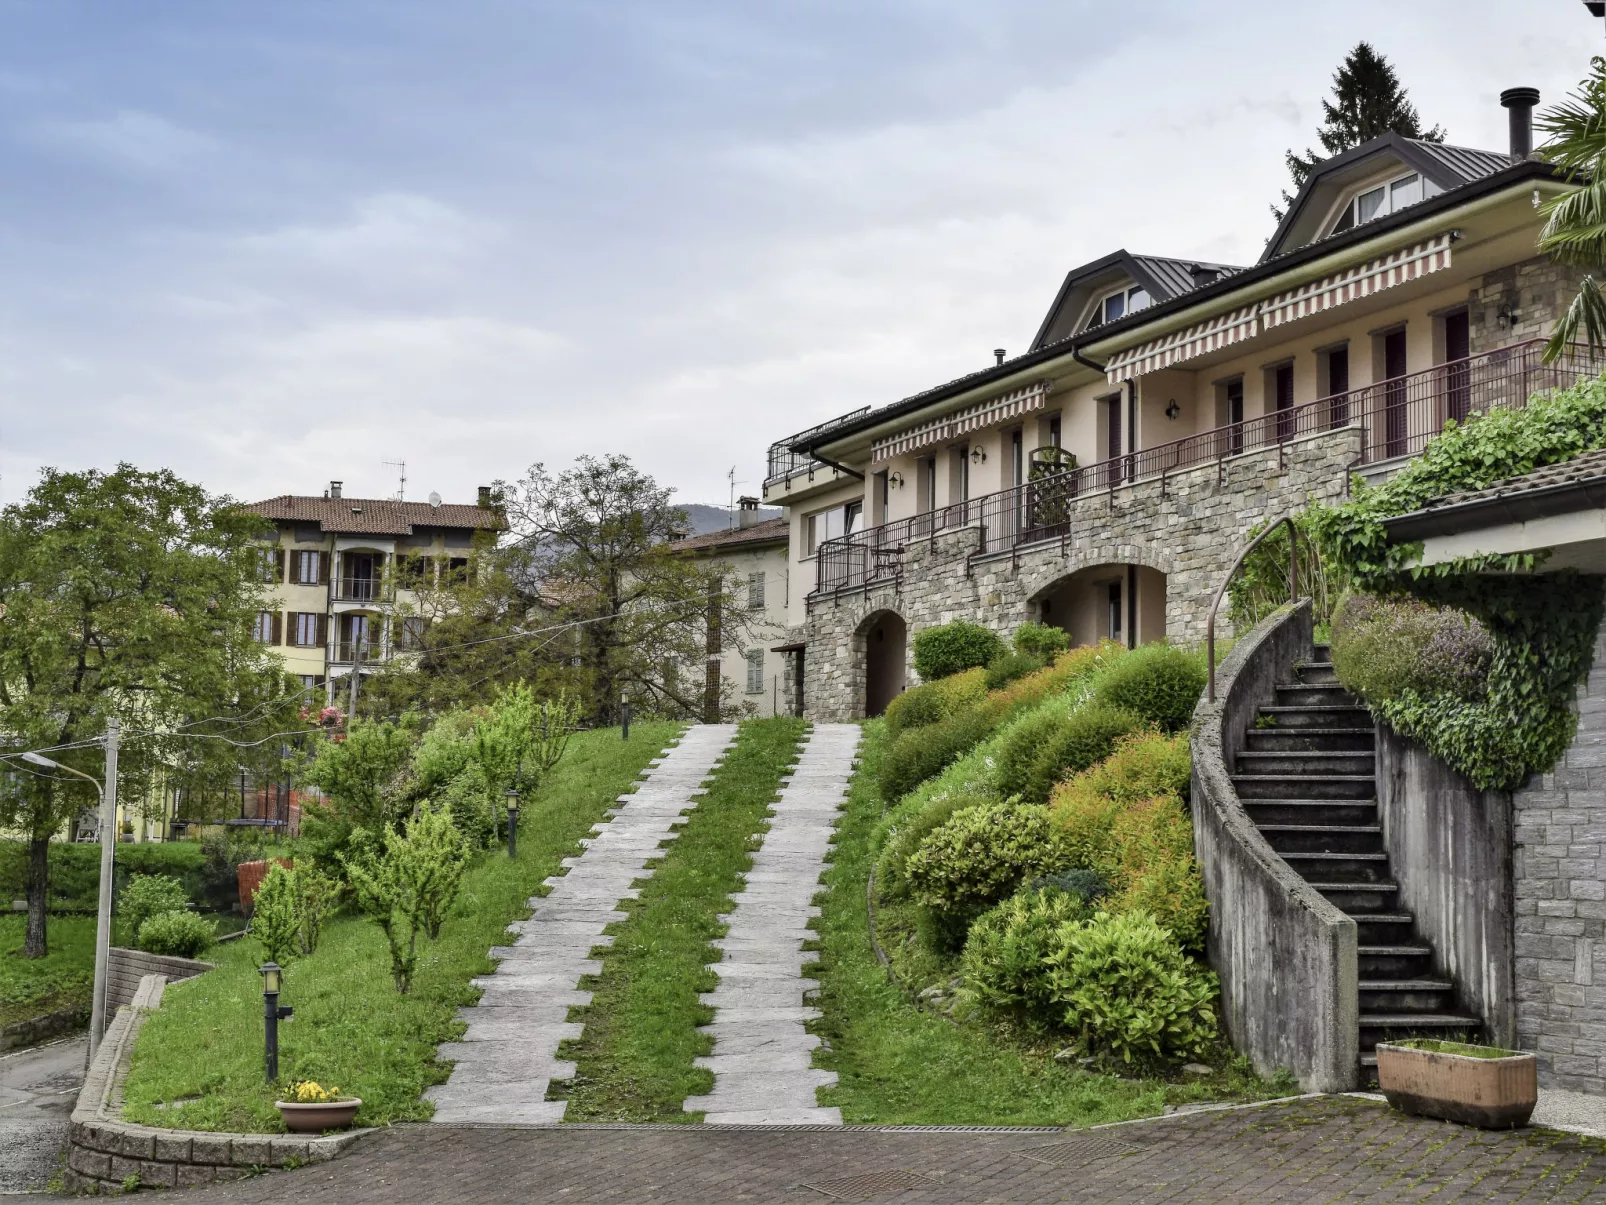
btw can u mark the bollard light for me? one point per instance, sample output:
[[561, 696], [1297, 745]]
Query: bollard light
[[272, 1014], [512, 822]]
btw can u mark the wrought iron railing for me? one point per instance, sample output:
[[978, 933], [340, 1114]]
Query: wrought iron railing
[[363, 589], [349, 652], [784, 463], [1396, 417]]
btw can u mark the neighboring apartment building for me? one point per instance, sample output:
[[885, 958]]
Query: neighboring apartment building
[[341, 566], [1104, 480], [754, 555]]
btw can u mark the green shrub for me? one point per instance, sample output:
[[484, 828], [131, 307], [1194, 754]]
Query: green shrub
[[1040, 640], [911, 830], [74, 869], [918, 707], [1021, 744], [922, 752], [1007, 667], [178, 934], [981, 855], [1087, 736], [1086, 885], [1159, 684], [1004, 964], [470, 801], [1123, 985], [952, 647], [1383, 647], [148, 895], [1143, 764], [276, 917]]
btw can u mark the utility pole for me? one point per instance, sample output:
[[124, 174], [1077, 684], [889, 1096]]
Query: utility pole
[[356, 675], [711, 673], [103, 911]]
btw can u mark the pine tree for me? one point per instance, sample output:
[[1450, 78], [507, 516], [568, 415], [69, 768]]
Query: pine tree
[[1367, 103]]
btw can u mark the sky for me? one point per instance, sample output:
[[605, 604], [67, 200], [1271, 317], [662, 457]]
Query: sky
[[273, 245]]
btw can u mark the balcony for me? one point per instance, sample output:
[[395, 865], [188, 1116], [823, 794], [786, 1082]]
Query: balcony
[[1396, 418], [785, 463], [350, 652], [363, 589]]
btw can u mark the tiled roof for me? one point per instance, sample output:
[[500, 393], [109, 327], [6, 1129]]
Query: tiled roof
[[375, 516], [1586, 467], [771, 531]]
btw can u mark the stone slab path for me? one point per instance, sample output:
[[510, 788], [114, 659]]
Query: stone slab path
[[762, 1053], [509, 1055]]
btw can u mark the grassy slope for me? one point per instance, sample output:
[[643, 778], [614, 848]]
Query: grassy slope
[[635, 1057], [351, 1029], [899, 1064], [62, 979]]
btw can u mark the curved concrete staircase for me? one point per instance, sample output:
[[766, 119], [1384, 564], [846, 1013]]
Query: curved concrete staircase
[[1305, 774]]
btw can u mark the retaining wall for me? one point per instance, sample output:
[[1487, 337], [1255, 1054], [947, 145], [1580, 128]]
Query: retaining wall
[[125, 969]]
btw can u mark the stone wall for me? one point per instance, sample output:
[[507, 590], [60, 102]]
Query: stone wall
[[1559, 864], [1534, 292], [1189, 526], [126, 968]]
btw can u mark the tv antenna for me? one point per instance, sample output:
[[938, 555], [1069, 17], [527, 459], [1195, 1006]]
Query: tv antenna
[[401, 468], [730, 510]]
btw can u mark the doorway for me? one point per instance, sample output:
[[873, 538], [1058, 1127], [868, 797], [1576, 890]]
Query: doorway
[[885, 641]]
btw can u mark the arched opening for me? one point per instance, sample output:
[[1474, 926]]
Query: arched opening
[[885, 640], [1124, 603]]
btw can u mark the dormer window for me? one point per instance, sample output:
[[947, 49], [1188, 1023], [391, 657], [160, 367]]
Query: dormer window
[[1117, 305], [1380, 200]]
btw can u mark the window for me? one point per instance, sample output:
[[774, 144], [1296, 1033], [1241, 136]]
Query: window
[[266, 628], [831, 524], [1115, 610], [412, 571], [311, 681], [755, 671], [270, 565], [1117, 305], [755, 591], [1384, 199], [457, 570], [410, 633], [308, 629], [310, 569], [1337, 391]]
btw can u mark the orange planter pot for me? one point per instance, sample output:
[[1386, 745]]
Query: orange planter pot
[[249, 875], [1492, 1094]]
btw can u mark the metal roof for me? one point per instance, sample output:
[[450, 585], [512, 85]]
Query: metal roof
[[1467, 162], [1176, 275]]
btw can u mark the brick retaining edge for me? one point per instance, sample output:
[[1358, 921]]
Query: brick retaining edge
[[104, 1151], [43, 1027]]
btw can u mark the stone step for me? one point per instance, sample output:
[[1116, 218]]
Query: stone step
[[1314, 763], [1340, 868], [1382, 961], [1323, 838], [1311, 811], [1384, 929], [1384, 1027], [1329, 694], [1317, 740], [1322, 715], [1357, 898], [1317, 673], [1406, 995], [1296, 786]]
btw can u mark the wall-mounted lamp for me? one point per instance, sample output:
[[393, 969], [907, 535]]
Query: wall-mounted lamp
[[1172, 410], [894, 480], [1506, 319], [977, 455]]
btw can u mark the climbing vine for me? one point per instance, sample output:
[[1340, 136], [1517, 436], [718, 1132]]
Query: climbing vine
[[1542, 625]]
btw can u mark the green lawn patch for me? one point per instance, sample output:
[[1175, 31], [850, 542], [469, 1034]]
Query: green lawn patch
[[635, 1057], [31, 987], [198, 1062], [898, 1063]]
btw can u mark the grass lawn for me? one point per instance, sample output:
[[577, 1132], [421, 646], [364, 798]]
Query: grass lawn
[[900, 1064], [635, 1057], [30, 987], [198, 1062]]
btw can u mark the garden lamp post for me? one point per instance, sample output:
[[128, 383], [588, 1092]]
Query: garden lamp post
[[272, 1014], [512, 822], [108, 849], [624, 719]]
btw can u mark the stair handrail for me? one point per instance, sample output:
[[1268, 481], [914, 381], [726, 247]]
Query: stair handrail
[[1215, 603]]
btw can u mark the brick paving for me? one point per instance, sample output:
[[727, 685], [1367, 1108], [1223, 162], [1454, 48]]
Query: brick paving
[[1327, 1149]]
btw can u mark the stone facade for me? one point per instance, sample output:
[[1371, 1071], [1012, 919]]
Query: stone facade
[[1189, 526], [1559, 864], [1533, 293]]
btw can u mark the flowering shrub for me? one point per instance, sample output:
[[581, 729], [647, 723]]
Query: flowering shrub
[[310, 1092], [1385, 646]]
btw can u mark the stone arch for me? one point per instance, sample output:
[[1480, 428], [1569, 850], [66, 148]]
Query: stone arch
[[882, 642], [1122, 600]]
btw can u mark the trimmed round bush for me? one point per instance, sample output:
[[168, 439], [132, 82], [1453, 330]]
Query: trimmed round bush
[[1156, 682], [891, 871], [1024, 740], [952, 647], [148, 895], [921, 753], [1087, 736], [980, 855], [1040, 640], [1003, 963], [1007, 667], [179, 934], [917, 707]]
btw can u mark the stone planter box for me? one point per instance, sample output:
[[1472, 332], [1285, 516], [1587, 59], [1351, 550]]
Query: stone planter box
[[1491, 1093]]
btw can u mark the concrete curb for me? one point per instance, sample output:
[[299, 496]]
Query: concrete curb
[[103, 1151]]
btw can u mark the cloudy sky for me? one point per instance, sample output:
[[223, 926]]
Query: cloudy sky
[[268, 245]]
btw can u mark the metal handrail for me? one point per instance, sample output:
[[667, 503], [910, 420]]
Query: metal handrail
[[1215, 603]]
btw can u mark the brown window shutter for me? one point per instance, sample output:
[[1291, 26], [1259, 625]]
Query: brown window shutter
[[276, 630], [279, 560], [323, 631], [323, 568]]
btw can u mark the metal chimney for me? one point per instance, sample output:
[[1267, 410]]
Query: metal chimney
[[998, 353], [1520, 102]]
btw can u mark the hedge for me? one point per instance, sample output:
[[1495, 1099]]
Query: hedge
[[75, 870]]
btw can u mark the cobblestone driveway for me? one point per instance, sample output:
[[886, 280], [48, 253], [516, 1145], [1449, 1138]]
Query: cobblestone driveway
[[1327, 1149]]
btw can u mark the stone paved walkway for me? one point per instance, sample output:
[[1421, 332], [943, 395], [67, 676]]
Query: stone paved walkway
[[38, 1087], [762, 1054], [1329, 1149], [508, 1057]]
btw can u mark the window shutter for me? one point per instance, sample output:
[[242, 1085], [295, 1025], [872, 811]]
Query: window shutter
[[323, 631], [279, 560], [278, 627], [323, 569]]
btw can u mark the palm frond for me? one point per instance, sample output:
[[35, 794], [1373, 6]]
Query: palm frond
[[1584, 322], [1577, 126]]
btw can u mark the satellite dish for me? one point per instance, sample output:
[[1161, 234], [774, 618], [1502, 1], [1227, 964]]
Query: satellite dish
[[434, 498]]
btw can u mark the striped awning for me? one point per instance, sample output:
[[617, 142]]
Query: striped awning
[[1201, 339], [1395, 268], [972, 418]]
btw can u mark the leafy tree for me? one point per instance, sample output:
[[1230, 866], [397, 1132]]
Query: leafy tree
[[1575, 224], [363, 780], [1368, 102], [127, 593]]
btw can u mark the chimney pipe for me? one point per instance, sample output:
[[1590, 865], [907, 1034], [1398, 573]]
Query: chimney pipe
[[334, 489], [1520, 102], [485, 497], [748, 514], [998, 352]]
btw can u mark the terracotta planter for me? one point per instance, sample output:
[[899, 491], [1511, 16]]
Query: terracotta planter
[[317, 1117], [1492, 1094], [249, 875]]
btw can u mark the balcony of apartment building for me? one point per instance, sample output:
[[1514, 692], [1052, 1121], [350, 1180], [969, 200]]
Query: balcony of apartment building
[[1395, 418], [791, 476], [360, 578]]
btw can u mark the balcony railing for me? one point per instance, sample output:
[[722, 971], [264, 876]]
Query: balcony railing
[[1396, 418], [362, 589], [783, 462], [348, 652]]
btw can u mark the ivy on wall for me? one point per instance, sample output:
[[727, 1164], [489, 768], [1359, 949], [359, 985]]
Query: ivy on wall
[[1542, 625]]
